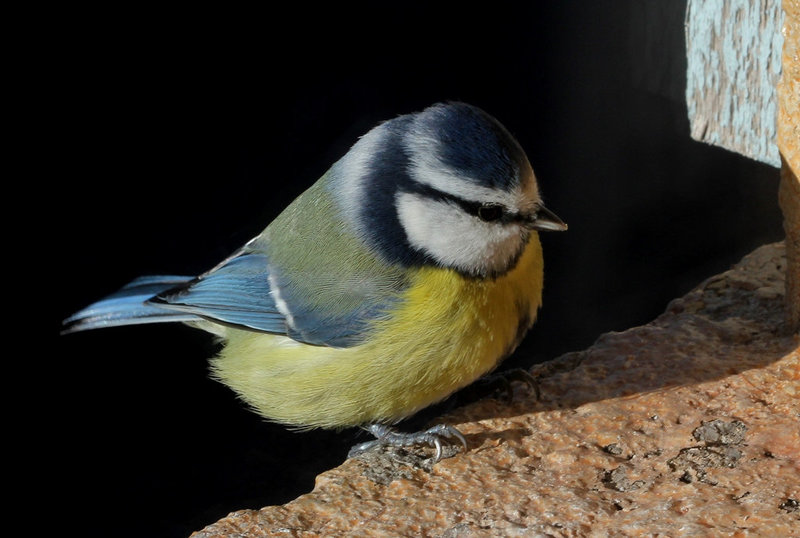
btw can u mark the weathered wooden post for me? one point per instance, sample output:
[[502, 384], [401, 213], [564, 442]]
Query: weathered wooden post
[[789, 145], [743, 94]]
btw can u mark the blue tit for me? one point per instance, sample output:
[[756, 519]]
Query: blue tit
[[411, 268]]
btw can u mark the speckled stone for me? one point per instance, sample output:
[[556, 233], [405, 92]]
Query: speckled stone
[[689, 425]]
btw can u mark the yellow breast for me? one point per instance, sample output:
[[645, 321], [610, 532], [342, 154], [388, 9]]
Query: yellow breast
[[449, 331]]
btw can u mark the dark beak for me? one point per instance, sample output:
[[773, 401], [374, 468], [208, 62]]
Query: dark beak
[[546, 220]]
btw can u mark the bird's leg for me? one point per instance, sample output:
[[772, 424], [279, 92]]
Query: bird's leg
[[384, 435]]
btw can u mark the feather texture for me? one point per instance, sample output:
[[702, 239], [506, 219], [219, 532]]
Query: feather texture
[[277, 287], [128, 306], [448, 331]]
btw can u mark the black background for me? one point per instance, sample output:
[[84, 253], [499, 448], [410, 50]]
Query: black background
[[178, 136]]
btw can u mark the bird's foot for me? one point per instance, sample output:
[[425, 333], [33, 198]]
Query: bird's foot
[[386, 436]]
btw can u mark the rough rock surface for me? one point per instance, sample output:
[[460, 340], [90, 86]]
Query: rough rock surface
[[689, 425]]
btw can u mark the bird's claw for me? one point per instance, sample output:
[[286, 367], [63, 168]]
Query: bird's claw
[[386, 436]]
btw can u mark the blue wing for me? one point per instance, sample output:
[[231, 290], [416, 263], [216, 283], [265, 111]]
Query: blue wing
[[246, 291], [235, 293], [319, 285], [307, 276], [243, 292]]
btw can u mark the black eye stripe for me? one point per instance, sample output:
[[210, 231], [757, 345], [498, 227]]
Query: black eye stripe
[[473, 208]]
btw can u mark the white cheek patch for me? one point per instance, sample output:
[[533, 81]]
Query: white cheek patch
[[456, 239]]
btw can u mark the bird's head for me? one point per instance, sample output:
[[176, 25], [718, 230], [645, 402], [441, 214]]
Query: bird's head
[[448, 186]]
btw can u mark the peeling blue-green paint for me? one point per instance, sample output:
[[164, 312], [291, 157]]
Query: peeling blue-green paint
[[733, 52]]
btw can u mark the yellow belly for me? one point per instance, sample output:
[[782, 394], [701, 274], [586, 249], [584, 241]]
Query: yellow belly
[[449, 331]]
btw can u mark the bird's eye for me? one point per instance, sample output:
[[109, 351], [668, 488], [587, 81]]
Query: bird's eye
[[490, 212]]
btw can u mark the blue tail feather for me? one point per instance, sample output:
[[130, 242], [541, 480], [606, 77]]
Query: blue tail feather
[[128, 306]]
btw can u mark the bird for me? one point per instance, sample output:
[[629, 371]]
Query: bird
[[409, 270]]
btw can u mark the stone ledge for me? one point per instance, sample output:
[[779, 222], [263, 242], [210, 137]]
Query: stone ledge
[[687, 425]]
